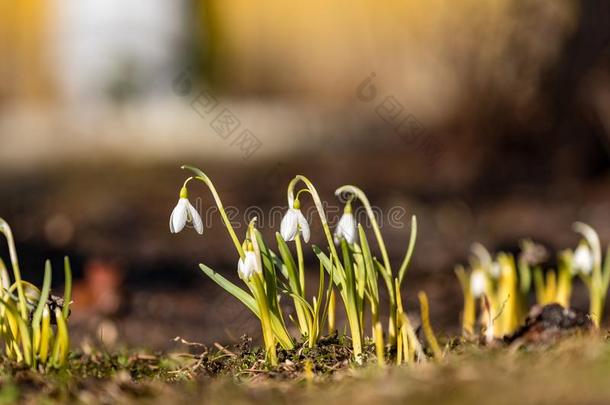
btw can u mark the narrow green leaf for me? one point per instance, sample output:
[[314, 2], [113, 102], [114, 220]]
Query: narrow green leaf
[[326, 262], [371, 273], [44, 295], [249, 301], [245, 298], [268, 272], [463, 279], [407, 260], [289, 262], [301, 300], [385, 275], [67, 288], [606, 272]]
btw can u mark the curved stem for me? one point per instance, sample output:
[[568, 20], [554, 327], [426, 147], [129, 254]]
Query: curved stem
[[369, 212], [205, 179], [317, 202], [355, 191], [329, 238], [6, 230]]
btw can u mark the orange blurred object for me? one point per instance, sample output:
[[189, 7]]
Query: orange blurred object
[[100, 291]]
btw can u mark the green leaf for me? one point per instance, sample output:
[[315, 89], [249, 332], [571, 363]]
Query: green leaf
[[294, 285], [371, 273], [463, 279], [268, 273], [279, 264], [525, 276], [386, 277], [289, 263], [67, 288], [326, 262], [24, 333], [245, 298], [359, 269], [606, 272], [265, 254], [248, 300], [44, 295], [405, 263], [301, 300]]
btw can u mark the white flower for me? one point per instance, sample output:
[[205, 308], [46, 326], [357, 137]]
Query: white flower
[[347, 228], [184, 212], [246, 267], [478, 283], [582, 261], [294, 222]]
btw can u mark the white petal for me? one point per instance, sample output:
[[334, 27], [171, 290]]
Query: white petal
[[179, 216], [347, 228], [303, 226], [582, 261], [290, 225], [195, 218], [241, 269], [247, 267], [477, 283], [336, 238], [171, 221], [251, 262]]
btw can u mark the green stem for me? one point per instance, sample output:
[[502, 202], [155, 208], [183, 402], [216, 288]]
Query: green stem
[[301, 264], [67, 288], [319, 207], [332, 302], [205, 179], [369, 212], [354, 326], [329, 238], [265, 318], [378, 334], [384, 253]]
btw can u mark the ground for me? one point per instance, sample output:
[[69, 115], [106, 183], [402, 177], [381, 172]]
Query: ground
[[573, 370]]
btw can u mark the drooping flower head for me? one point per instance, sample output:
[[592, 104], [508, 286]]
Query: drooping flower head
[[347, 228], [478, 282], [184, 212], [294, 222], [247, 266], [582, 261]]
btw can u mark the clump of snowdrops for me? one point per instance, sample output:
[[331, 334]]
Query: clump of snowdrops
[[346, 266], [500, 286], [33, 323]]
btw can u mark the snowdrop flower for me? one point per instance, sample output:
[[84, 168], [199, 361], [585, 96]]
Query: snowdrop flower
[[347, 228], [184, 212], [478, 283], [294, 222], [246, 267], [582, 261]]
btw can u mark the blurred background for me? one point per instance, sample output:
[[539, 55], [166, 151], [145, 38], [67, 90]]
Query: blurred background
[[488, 120]]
